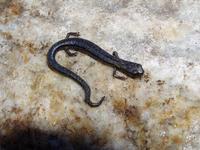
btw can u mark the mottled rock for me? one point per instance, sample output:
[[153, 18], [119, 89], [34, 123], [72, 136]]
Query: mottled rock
[[158, 111]]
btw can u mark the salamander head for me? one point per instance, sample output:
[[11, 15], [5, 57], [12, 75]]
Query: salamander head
[[132, 69]]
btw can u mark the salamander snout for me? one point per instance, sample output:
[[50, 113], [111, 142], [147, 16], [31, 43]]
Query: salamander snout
[[134, 69], [139, 69]]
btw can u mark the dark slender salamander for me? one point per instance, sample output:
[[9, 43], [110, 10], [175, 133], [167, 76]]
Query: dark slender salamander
[[78, 44]]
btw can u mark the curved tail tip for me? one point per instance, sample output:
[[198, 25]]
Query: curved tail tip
[[91, 104]]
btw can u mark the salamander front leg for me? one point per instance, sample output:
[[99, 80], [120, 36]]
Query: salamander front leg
[[115, 75], [67, 50]]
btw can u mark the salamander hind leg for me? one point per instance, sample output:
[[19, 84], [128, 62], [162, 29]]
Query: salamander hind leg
[[67, 50], [70, 53], [115, 75], [76, 34]]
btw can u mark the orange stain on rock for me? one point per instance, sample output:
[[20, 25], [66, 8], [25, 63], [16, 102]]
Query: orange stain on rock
[[16, 8], [177, 139], [16, 110], [57, 99], [57, 109], [152, 102], [31, 47], [133, 115], [119, 106], [25, 57]]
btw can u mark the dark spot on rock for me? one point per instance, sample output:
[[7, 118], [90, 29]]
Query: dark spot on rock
[[190, 64], [160, 82], [7, 35], [169, 100], [146, 77]]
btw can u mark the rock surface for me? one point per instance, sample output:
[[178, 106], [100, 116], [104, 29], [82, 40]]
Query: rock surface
[[158, 111]]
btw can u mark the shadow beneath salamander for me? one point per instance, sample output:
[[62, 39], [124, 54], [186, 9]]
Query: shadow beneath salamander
[[34, 139]]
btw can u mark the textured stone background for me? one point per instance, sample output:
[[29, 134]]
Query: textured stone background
[[159, 111]]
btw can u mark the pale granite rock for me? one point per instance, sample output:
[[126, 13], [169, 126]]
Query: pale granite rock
[[159, 111]]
